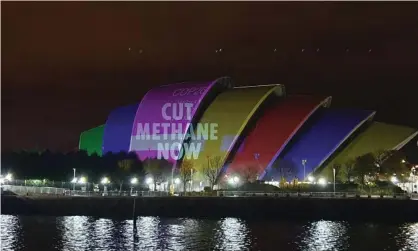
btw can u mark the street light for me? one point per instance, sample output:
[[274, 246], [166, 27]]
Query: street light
[[82, 180], [233, 180], [149, 181], [322, 181], [134, 181], [191, 179], [74, 180], [304, 168], [105, 181], [311, 179], [333, 170], [7, 178], [176, 181]]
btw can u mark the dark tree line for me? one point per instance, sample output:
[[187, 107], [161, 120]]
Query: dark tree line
[[59, 166]]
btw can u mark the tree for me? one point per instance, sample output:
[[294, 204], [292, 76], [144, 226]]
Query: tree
[[394, 165], [283, 182], [124, 167], [347, 171], [365, 165], [212, 169], [186, 170], [158, 169], [249, 173], [381, 156]]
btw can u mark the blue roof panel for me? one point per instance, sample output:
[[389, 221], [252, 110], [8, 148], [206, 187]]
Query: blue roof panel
[[317, 141]]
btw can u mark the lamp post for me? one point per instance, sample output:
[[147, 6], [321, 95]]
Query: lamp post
[[207, 157], [74, 180], [304, 169], [149, 181], [133, 183], [172, 177], [104, 182], [333, 170], [257, 157], [191, 180]]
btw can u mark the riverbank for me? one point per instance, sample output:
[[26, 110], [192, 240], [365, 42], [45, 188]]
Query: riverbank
[[244, 207]]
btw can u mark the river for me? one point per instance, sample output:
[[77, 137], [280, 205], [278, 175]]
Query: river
[[77, 233]]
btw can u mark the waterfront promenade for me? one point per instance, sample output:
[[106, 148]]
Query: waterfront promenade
[[330, 206], [31, 191], [59, 192]]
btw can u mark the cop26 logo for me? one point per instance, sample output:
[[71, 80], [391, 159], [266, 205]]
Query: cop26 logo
[[193, 91]]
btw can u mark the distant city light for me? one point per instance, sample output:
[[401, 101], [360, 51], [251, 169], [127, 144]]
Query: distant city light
[[74, 180], [311, 179], [134, 180], [177, 181], [105, 180], [393, 179], [322, 181]]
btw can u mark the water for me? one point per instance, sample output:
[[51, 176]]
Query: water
[[153, 233]]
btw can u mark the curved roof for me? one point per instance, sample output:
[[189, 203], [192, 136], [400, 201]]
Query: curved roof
[[231, 111], [272, 132], [316, 142], [378, 136], [92, 140], [118, 129], [153, 132]]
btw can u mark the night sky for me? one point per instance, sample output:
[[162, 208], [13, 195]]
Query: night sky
[[65, 65]]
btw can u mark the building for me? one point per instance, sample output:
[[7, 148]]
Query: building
[[256, 129]]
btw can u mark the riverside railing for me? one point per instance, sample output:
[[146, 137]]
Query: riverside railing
[[35, 190], [312, 195], [25, 190], [116, 194]]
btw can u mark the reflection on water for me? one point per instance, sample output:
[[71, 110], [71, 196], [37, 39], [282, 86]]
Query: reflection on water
[[153, 233], [325, 235], [10, 232], [407, 239], [75, 233], [233, 235]]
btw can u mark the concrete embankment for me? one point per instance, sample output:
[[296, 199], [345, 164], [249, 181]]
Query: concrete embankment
[[245, 207]]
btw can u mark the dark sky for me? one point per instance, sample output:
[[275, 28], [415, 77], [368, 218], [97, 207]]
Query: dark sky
[[65, 65]]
